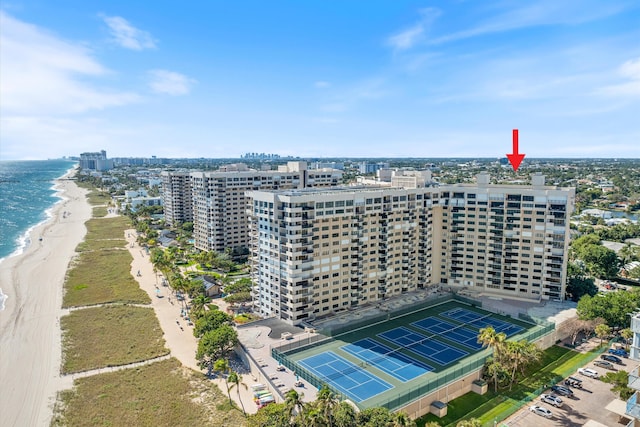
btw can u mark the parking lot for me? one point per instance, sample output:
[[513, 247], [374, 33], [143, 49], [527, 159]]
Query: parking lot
[[588, 403]]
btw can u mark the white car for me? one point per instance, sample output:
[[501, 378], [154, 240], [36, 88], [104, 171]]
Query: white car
[[588, 372], [551, 400], [542, 411]]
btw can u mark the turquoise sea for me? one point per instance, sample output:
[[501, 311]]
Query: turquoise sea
[[27, 195]]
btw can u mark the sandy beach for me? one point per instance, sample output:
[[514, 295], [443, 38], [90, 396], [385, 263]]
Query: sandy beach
[[30, 345]]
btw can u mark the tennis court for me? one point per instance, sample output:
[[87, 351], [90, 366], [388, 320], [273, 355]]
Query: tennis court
[[348, 378], [455, 333], [387, 359], [391, 362], [478, 320], [427, 347]]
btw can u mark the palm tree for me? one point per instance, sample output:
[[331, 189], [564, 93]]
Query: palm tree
[[602, 331], [222, 366], [401, 419], [327, 403], [293, 402], [198, 304], [236, 379], [627, 334], [488, 337]]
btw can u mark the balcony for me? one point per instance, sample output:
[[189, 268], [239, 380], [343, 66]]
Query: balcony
[[633, 408]]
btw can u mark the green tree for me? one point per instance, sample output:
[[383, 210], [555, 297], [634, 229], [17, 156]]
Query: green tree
[[239, 297], [620, 380], [601, 262], [293, 403], [210, 320], [344, 415], [602, 331], [198, 305], [222, 366], [518, 355], [373, 417], [326, 402], [236, 381], [577, 287], [613, 307], [215, 345], [272, 415], [627, 334]]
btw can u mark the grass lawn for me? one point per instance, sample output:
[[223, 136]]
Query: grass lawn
[[100, 277], [99, 211], [161, 394], [556, 363], [107, 336]]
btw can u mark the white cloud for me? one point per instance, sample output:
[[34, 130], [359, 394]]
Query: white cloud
[[170, 82], [409, 37], [630, 70], [43, 74], [128, 36], [322, 84], [537, 13]]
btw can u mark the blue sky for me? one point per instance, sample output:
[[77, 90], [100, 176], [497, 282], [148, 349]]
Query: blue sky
[[320, 78]]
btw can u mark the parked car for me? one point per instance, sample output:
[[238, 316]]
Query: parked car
[[573, 382], [551, 400], [588, 372], [611, 358], [603, 364], [618, 352], [562, 390], [541, 410]]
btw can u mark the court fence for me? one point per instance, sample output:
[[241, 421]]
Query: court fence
[[353, 324], [471, 364]]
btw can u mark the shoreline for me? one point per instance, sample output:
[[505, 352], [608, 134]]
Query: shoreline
[[30, 336], [24, 239]]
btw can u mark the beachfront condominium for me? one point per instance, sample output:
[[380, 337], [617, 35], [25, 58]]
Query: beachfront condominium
[[318, 251], [95, 161], [216, 203], [177, 197]]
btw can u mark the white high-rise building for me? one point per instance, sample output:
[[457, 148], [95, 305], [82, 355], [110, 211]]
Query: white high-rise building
[[216, 201]]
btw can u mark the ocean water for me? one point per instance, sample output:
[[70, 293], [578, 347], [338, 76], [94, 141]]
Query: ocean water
[[27, 195]]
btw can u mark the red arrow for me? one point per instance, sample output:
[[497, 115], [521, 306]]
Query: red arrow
[[515, 159]]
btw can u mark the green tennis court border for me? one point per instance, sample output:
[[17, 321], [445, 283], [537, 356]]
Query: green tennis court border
[[402, 393]]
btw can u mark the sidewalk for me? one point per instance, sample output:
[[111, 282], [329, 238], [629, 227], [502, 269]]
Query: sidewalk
[[177, 334]]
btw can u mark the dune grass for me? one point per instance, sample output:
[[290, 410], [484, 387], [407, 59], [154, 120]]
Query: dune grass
[[99, 277], [98, 337], [97, 245], [100, 211], [97, 197], [107, 228], [161, 394]]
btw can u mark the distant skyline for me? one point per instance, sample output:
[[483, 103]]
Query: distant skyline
[[320, 79]]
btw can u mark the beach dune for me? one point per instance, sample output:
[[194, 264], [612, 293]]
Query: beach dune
[[30, 342]]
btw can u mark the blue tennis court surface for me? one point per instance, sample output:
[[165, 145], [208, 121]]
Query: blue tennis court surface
[[387, 359], [430, 348], [471, 318], [456, 333], [348, 378]]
